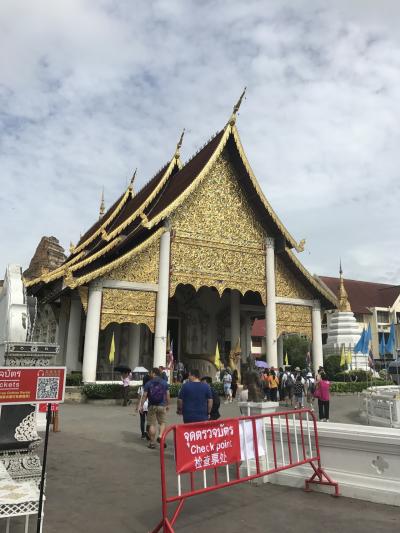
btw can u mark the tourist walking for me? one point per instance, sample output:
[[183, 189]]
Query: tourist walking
[[144, 429], [298, 390], [195, 399], [235, 379], [156, 391], [322, 392], [126, 378], [227, 381], [273, 383], [310, 390], [287, 386], [265, 384], [214, 413]]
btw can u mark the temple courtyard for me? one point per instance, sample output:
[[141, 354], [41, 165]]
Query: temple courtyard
[[102, 478]]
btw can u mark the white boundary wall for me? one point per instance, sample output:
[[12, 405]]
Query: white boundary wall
[[365, 460]]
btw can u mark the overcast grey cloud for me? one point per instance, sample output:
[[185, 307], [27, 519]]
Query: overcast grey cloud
[[90, 90]]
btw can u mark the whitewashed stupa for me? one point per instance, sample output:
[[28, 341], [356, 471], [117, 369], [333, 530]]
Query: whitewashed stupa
[[343, 329]]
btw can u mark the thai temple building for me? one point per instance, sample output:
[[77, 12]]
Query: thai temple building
[[183, 265]]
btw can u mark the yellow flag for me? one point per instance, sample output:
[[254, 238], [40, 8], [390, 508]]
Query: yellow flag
[[349, 358], [111, 355], [217, 360], [286, 360], [342, 357]]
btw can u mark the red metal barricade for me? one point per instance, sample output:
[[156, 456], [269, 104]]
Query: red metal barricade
[[268, 444]]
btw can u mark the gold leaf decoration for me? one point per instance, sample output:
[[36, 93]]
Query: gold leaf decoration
[[218, 241], [293, 319], [136, 307], [287, 284]]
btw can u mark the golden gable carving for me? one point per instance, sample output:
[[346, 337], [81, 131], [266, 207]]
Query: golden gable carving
[[142, 267], [287, 285], [217, 239]]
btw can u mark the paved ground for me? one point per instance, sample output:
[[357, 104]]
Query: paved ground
[[102, 479]]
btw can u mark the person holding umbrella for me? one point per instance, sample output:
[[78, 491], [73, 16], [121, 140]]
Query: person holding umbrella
[[126, 376]]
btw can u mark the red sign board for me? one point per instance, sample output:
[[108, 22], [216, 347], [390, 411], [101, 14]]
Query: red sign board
[[31, 385], [204, 445]]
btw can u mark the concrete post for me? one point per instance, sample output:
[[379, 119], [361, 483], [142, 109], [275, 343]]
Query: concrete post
[[134, 345], [317, 354], [235, 317], [90, 351], [280, 351], [73, 338], [270, 310], [160, 336]]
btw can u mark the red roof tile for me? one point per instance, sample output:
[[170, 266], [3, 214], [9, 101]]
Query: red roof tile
[[364, 294]]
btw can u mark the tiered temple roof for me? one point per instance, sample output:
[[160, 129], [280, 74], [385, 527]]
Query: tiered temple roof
[[135, 219]]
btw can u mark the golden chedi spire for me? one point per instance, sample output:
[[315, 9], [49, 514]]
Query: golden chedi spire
[[102, 209], [344, 304], [236, 108], [131, 189]]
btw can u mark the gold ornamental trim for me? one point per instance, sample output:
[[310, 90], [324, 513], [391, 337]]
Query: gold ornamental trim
[[195, 183], [109, 219], [83, 280], [260, 193], [311, 278], [123, 306], [54, 274], [140, 210]]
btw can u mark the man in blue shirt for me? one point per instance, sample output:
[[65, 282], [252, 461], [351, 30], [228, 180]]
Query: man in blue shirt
[[195, 399]]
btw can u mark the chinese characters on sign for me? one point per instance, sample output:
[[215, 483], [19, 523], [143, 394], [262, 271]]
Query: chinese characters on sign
[[206, 445], [32, 385]]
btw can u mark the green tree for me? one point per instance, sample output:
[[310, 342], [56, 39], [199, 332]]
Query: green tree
[[296, 347]]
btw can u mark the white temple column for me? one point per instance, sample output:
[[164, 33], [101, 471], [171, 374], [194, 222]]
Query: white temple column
[[235, 317], [317, 354], [160, 336], [73, 337], [62, 330], [270, 310], [134, 345], [280, 351], [90, 351]]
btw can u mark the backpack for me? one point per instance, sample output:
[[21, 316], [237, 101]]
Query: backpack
[[298, 387], [156, 392], [311, 385], [289, 380]]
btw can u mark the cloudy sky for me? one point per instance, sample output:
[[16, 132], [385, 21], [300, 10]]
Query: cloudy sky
[[92, 89]]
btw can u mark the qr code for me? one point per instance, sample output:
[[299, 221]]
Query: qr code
[[47, 388]]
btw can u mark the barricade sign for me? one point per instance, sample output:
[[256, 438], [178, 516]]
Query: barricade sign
[[217, 454], [31, 385], [43, 407], [206, 445]]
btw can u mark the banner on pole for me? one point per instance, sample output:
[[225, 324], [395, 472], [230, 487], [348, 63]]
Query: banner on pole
[[20, 385], [204, 445]]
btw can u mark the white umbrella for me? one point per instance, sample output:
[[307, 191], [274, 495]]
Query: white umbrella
[[140, 369]]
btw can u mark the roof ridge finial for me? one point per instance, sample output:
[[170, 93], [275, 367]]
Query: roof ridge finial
[[102, 209], [179, 145], [236, 108], [130, 187], [340, 268]]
